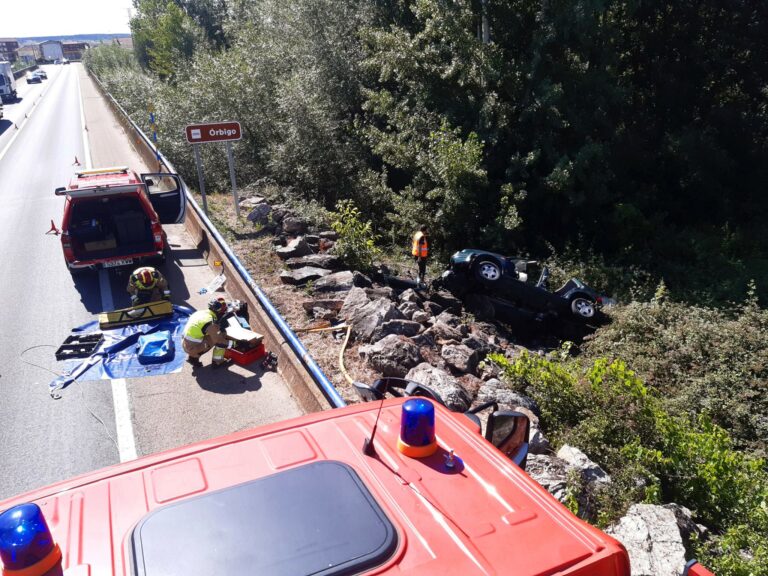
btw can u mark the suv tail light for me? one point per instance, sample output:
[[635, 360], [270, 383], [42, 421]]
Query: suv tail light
[[66, 245]]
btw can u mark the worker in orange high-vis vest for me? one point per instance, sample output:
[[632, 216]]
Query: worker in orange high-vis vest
[[420, 252]]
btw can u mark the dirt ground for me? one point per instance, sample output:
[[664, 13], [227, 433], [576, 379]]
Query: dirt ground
[[255, 250]]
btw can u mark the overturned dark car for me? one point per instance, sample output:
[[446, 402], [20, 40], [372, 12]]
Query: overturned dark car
[[501, 277]]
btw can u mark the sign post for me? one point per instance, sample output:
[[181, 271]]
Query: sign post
[[232, 178], [196, 148], [215, 132]]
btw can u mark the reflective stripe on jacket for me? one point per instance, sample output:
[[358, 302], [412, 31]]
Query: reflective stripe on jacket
[[194, 331], [420, 249]]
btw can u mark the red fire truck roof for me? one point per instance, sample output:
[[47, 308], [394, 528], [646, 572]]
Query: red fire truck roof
[[301, 497]]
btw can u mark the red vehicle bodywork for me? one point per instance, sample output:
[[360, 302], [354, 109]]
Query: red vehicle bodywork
[[110, 183], [485, 517]]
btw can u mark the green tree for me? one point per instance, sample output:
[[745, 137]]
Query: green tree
[[164, 36]]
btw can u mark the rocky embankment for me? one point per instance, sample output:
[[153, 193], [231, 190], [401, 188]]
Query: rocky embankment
[[430, 337]]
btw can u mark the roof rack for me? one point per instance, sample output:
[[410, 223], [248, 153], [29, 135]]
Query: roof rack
[[95, 171]]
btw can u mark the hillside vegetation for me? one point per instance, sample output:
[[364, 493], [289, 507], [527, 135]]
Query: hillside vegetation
[[625, 140]]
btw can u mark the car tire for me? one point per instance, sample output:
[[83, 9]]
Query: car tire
[[487, 271], [583, 307]]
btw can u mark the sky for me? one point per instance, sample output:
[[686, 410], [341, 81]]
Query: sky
[[63, 17]]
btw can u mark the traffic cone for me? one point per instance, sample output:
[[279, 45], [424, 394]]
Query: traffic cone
[[53, 229], [76, 162]]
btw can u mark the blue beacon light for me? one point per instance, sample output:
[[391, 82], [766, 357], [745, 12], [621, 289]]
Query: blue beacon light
[[26, 543], [417, 428]]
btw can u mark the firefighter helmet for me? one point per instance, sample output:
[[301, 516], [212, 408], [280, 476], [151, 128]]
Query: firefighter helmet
[[218, 306], [144, 278]]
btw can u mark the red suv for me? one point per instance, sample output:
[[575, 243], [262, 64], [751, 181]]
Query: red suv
[[113, 217]]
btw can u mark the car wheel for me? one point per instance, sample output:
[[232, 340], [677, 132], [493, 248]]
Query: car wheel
[[487, 271], [582, 307]]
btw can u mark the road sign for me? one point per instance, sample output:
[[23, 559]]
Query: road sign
[[213, 132]]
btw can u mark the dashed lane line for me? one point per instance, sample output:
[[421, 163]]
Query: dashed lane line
[[126, 441]]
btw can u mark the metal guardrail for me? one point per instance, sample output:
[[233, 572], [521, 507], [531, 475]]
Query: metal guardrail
[[324, 385]]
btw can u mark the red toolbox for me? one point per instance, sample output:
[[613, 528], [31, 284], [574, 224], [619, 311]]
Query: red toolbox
[[247, 356]]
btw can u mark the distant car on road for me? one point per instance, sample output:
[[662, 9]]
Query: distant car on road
[[65, 61], [507, 278], [113, 217], [41, 73], [33, 78]]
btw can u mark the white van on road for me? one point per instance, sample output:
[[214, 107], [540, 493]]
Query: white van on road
[[7, 82]]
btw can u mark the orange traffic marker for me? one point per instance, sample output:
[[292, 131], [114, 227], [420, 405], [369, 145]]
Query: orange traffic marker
[[53, 229]]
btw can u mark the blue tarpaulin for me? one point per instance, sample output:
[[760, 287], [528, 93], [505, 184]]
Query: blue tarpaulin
[[117, 355]]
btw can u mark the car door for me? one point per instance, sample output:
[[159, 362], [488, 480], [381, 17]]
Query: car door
[[167, 195]]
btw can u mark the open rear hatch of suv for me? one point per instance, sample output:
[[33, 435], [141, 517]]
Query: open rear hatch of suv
[[110, 226]]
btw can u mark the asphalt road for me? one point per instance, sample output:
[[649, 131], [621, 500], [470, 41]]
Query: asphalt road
[[96, 423], [42, 440]]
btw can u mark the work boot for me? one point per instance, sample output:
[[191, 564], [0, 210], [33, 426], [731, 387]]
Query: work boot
[[194, 361]]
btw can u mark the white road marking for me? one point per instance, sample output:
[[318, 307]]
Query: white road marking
[[126, 441], [86, 144]]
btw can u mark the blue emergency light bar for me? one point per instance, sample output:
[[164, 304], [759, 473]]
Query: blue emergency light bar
[[26, 543]]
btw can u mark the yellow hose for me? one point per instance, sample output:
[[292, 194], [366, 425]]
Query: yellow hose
[[344, 372], [341, 356]]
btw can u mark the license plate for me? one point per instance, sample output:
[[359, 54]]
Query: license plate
[[113, 263]]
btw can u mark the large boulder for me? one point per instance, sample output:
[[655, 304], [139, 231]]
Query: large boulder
[[652, 538], [366, 319], [259, 214], [327, 261], [355, 300], [441, 332], [460, 357], [590, 471], [251, 202], [550, 472], [450, 390], [302, 275], [408, 308], [294, 249], [393, 355], [420, 316], [410, 295], [451, 319], [447, 300], [380, 292], [336, 282], [508, 399], [400, 326], [293, 226]]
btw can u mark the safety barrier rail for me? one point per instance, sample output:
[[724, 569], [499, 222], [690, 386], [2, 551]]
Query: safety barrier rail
[[279, 336], [23, 71]]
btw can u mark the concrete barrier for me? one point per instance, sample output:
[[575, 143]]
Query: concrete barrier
[[19, 73], [295, 365]]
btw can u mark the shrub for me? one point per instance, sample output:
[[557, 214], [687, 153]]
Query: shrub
[[653, 455], [357, 242]]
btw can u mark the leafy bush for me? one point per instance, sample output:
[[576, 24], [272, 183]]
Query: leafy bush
[[652, 455], [701, 360], [357, 242]]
